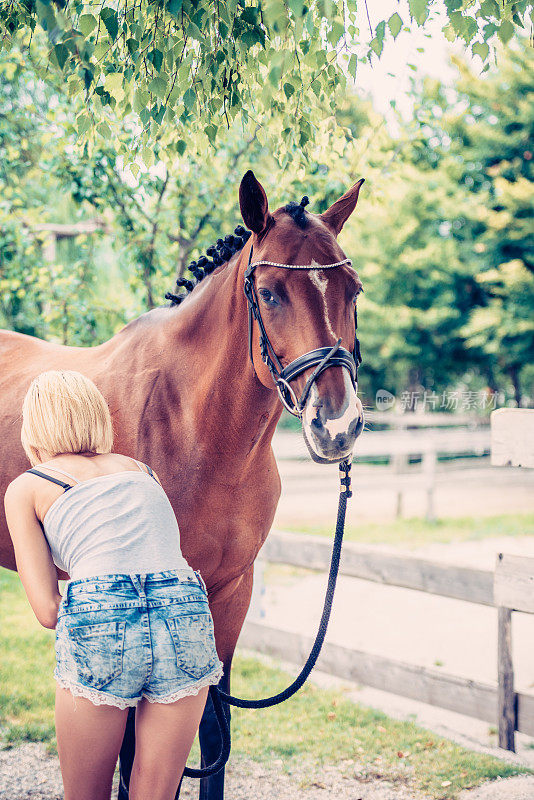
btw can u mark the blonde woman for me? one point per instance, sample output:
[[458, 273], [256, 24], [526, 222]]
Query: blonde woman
[[133, 627]]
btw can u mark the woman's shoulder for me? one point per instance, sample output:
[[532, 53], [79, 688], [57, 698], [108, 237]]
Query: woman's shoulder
[[19, 488]]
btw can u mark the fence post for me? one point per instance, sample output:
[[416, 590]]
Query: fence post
[[398, 464], [505, 671], [430, 458], [256, 610]]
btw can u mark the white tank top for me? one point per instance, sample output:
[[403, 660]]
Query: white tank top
[[122, 522]]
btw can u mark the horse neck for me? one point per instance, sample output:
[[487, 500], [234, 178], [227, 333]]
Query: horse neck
[[198, 353]]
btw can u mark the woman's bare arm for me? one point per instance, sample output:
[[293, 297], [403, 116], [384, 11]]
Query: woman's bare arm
[[35, 565]]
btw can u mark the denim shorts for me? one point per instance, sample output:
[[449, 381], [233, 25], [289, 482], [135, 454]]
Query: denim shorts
[[121, 637]]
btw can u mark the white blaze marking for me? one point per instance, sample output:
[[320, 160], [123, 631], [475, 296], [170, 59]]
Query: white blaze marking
[[350, 411], [319, 279]]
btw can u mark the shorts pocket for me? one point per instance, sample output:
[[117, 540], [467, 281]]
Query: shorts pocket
[[98, 650], [194, 643]]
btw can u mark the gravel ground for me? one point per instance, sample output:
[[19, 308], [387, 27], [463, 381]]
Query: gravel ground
[[519, 788], [28, 772]]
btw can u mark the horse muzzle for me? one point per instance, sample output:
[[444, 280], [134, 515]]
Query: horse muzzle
[[330, 433]]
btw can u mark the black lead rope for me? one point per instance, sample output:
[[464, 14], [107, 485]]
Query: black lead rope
[[218, 696], [321, 358]]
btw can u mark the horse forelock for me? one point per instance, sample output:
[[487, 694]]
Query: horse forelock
[[289, 242], [293, 232]]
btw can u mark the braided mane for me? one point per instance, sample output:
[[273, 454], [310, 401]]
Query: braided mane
[[223, 250], [219, 253]]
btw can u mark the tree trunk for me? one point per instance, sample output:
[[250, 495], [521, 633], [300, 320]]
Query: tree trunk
[[414, 389], [516, 383], [490, 377]]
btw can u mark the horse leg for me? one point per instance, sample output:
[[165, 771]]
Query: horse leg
[[228, 617], [209, 736], [126, 756]]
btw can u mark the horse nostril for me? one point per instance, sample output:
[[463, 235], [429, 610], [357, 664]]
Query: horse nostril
[[317, 423]]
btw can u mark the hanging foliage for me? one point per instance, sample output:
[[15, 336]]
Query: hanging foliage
[[184, 69]]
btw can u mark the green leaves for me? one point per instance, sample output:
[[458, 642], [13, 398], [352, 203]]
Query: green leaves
[[61, 53], [109, 18], [155, 56], [419, 10], [274, 76], [480, 49], [210, 65], [395, 24], [113, 84], [289, 90], [505, 31], [189, 99], [211, 133], [87, 23], [158, 86]]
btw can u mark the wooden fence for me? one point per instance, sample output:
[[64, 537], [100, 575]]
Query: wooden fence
[[399, 445], [510, 588]]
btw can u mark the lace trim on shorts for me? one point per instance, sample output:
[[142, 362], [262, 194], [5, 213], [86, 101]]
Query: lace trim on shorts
[[96, 697], [213, 677], [102, 698]]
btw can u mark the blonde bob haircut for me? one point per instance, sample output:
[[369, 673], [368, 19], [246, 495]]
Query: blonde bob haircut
[[64, 412]]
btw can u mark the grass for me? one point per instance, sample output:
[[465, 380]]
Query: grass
[[415, 532], [316, 727], [27, 660]]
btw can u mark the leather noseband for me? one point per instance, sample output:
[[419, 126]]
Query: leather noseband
[[321, 358]]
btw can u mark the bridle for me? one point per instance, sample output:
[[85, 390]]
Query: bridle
[[320, 358]]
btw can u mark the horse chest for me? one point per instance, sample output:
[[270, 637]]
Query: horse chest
[[226, 523]]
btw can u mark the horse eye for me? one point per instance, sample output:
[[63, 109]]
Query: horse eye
[[267, 297], [356, 294]]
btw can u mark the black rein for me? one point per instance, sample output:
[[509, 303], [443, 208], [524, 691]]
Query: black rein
[[321, 359]]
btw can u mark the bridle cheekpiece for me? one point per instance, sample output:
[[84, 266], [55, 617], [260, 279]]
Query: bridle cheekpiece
[[320, 358]]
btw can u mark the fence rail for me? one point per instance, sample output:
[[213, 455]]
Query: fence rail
[[398, 446], [447, 580], [510, 588]]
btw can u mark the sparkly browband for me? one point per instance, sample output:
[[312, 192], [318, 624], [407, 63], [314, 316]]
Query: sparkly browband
[[251, 266]]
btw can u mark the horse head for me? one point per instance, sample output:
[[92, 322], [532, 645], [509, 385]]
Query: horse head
[[305, 308]]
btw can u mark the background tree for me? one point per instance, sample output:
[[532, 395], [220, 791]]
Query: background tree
[[446, 238], [183, 70], [442, 237], [485, 139]]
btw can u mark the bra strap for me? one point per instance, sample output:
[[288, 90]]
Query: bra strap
[[142, 464], [49, 478], [62, 471]]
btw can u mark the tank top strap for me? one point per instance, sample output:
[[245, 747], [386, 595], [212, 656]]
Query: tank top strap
[[56, 469]]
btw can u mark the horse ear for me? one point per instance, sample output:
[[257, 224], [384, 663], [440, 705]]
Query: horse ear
[[253, 203], [339, 212]]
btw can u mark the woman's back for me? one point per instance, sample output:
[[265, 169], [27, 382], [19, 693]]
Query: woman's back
[[119, 522]]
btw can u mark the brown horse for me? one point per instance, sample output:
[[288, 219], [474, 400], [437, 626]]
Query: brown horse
[[185, 399]]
